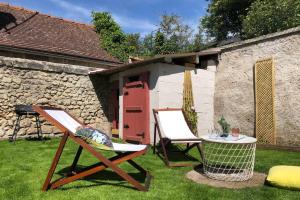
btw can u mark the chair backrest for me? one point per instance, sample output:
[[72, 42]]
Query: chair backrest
[[59, 117], [172, 124], [64, 119]]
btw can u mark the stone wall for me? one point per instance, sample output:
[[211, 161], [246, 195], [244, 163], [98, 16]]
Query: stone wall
[[234, 91], [37, 82]]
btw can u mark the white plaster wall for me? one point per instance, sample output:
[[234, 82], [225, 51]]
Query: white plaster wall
[[171, 91], [170, 85], [166, 90], [203, 81]]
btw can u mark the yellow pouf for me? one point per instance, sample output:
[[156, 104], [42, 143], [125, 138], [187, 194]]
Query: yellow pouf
[[284, 176]]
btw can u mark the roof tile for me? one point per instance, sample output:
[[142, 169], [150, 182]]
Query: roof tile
[[24, 28]]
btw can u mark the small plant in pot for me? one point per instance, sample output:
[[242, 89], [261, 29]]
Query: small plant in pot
[[225, 127]]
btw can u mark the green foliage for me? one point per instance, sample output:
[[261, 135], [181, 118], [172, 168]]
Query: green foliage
[[224, 18], [225, 126], [192, 119], [159, 42], [133, 42], [113, 39], [172, 36], [148, 45], [268, 16], [199, 41], [249, 18]]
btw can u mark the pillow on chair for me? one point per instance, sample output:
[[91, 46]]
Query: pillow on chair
[[94, 137], [285, 177]]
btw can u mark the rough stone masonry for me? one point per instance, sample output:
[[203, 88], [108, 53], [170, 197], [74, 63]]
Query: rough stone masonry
[[26, 81]]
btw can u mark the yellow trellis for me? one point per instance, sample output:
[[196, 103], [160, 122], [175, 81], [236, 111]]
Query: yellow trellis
[[188, 101], [264, 97]]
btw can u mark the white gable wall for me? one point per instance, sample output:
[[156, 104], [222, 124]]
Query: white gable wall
[[203, 82], [166, 90], [171, 91]]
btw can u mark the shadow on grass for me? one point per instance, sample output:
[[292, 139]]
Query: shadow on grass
[[42, 139], [104, 177], [175, 154], [37, 138]]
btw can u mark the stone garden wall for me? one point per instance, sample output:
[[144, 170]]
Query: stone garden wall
[[234, 91], [44, 83]]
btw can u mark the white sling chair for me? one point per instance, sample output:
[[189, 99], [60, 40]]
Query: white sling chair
[[125, 152], [172, 128]]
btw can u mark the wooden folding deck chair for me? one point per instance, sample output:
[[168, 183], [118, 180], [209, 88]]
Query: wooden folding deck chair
[[125, 152], [172, 128]]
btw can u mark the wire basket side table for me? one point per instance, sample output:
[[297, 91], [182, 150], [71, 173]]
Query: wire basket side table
[[229, 160]]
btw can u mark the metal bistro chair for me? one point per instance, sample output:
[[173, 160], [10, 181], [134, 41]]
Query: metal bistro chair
[[26, 110]]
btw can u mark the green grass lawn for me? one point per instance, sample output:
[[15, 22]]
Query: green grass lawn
[[24, 166]]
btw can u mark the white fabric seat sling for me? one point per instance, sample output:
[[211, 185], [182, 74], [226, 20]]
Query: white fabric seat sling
[[173, 128], [71, 124]]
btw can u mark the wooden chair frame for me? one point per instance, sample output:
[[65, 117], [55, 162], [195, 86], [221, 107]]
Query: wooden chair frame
[[164, 143], [103, 164]]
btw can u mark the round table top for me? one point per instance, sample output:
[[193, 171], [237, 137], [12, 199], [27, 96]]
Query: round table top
[[241, 139]]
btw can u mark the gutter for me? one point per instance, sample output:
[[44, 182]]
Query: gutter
[[107, 64]]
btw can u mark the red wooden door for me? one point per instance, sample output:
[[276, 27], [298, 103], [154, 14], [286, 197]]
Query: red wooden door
[[136, 108]]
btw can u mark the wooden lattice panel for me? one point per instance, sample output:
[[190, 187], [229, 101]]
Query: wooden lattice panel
[[264, 96], [188, 100]]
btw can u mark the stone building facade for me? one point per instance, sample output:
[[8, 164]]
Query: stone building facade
[[26, 81], [234, 84], [45, 60]]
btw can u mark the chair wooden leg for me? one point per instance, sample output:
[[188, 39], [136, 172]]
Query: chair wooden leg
[[189, 148], [134, 164], [154, 144], [101, 166], [200, 149], [111, 164], [75, 161], [137, 166], [165, 157], [55, 161]]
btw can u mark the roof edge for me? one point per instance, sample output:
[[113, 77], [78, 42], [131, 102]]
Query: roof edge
[[269, 36], [58, 55], [160, 58]]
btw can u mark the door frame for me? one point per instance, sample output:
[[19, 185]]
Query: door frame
[[115, 107]]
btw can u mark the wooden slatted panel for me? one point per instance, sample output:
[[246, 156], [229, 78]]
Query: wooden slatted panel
[[264, 96]]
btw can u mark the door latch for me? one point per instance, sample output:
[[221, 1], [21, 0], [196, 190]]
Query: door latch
[[126, 126], [142, 134]]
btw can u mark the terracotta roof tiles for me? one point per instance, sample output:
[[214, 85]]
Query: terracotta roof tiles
[[28, 29]]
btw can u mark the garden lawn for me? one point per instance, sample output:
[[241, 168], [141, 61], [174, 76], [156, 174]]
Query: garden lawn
[[24, 166]]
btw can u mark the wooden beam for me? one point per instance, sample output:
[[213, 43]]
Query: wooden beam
[[190, 65], [168, 59]]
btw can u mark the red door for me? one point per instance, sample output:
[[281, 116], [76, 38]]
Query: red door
[[136, 108]]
